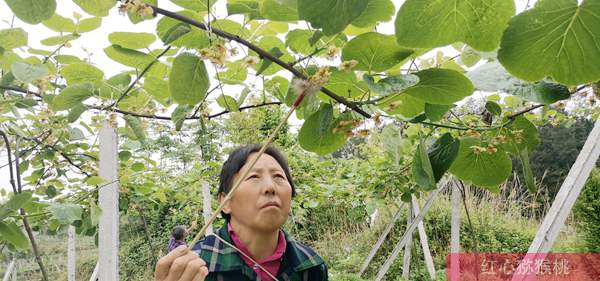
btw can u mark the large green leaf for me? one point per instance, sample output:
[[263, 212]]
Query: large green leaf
[[189, 80], [556, 38], [279, 10], [59, 40], [440, 86], [481, 168], [391, 84], [227, 102], [330, 15], [376, 11], [245, 7], [179, 34], [136, 126], [432, 23], [179, 114], [543, 92], [14, 204], [196, 5], [132, 40], [65, 213], [344, 84], [442, 154], [435, 112], [28, 72], [317, 134], [12, 38], [89, 24], [14, 235], [157, 88], [128, 57], [80, 72], [374, 52], [422, 172], [522, 134], [59, 23], [236, 73], [32, 11], [98, 8], [404, 105], [72, 96]]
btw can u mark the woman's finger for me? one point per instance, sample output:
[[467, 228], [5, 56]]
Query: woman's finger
[[202, 275], [179, 265], [193, 269], [164, 264]]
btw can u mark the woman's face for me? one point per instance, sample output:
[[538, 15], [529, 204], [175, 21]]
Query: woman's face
[[263, 200]]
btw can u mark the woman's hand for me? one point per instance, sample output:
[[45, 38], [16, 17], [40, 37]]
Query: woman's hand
[[181, 264]]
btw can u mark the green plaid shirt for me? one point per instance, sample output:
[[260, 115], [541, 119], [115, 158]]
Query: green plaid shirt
[[300, 262]]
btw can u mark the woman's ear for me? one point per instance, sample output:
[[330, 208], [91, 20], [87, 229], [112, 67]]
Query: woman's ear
[[226, 208]]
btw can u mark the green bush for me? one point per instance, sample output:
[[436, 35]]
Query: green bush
[[587, 212]]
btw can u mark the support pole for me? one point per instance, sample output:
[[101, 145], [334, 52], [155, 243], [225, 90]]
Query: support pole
[[94, 276], [108, 240], [206, 205], [565, 199], [407, 247], [9, 270], [455, 234], [424, 241], [408, 233], [71, 253], [379, 242]]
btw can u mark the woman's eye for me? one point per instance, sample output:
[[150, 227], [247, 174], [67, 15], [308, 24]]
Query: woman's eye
[[280, 176], [253, 177]]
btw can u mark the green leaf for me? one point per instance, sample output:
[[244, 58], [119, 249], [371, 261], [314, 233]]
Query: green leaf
[[138, 167], [32, 11], [67, 59], [65, 213], [95, 180], [135, 17], [527, 172], [179, 114], [374, 52], [557, 39], [82, 72], [297, 41], [95, 213], [317, 134], [98, 8], [435, 112], [14, 235], [132, 40], [482, 169], [469, 56], [136, 126], [14, 204], [543, 92], [59, 23], [277, 86], [13, 38], [179, 34], [248, 7], [227, 102], [391, 84], [403, 105], [344, 84], [240, 100], [279, 10], [124, 155], [376, 11], [27, 72], [75, 112], [522, 134], [157, 88], [196, 5], [422, 172], [276, 52], [59, 40], [236, 73], [493, 108], [189, 80], [440, 86], [442, 154], [431, 23], [128, 57], [330, 15], [72, 96], [89, 24]]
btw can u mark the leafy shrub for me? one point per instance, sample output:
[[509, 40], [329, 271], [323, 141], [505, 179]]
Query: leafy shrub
[[587, 212]]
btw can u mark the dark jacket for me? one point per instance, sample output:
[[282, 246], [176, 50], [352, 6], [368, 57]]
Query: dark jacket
[[300, 262]]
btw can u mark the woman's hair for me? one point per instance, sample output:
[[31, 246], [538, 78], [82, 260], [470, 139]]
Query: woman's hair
[[178, 232], [237, 159]]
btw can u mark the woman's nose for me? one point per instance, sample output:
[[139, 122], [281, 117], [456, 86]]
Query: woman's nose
[[269, 187]]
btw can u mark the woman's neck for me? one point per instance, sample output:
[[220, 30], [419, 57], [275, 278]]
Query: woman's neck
[[260, 244]]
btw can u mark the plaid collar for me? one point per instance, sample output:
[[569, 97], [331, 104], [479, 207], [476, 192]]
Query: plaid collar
[[221, 258]]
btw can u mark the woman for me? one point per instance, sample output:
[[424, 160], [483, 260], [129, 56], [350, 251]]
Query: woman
[[251, 245]]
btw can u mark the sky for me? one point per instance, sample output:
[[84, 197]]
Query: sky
[[92, 43]]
